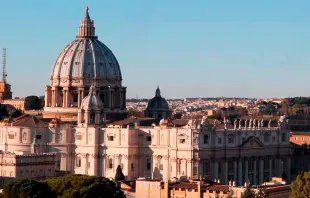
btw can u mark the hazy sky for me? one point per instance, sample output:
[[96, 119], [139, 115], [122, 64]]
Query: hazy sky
[[198, 48]]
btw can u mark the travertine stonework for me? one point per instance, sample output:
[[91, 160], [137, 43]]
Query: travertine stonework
[[85, 61]]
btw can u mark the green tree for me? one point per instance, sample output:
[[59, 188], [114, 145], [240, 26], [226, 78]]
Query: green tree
[[300, 188], [248, 192], [83, 186], [119, 176], [26, 188], [33, 103]]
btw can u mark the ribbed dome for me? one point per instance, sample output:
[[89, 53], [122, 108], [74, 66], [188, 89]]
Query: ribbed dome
[[92, 101], [158, 102], [86, 57]]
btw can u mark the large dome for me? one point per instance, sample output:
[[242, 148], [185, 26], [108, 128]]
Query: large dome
[[86, 58]]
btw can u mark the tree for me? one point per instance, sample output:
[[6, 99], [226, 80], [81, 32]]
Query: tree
[[27, 188], [119, 176], [300, 188], [33, 103], [83, 186], [248, 193]]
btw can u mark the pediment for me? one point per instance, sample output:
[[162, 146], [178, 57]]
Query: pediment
[[252, 142]]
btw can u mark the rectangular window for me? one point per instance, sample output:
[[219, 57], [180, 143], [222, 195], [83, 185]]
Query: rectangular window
[[148, 138], [111, 138], [182, 141], [11, 136], [219, 140], [78, 137], [38, 137]]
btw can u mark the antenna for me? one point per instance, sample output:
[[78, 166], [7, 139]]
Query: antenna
[[4, 75]]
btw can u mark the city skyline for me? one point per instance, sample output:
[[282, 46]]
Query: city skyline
[[200, 49]]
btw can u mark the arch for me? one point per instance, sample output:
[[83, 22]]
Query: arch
[[161, 167], [78, 161], [24, 136], [110, 165]]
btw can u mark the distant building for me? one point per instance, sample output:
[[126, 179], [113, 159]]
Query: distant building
[[157, 107], [16, 103], [201, 189], [26, 165]]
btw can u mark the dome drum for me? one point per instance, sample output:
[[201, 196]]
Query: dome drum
[[81, 82]]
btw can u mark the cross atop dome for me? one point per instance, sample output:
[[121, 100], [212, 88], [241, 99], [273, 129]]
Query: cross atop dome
[[87, 28]]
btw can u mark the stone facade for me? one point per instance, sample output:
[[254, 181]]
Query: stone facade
[[83, 62], [26, 165], [214, 151], [16, 103]]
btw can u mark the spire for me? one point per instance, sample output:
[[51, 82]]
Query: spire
[[157, 93], [87, 28]]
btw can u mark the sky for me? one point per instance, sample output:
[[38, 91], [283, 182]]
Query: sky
[[198, 48]]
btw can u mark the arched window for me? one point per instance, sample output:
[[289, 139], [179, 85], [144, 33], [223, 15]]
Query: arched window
[[148, 164], [206, 139], [231, 139], [92, 118], [78, 162], [283, 137], [110, 163]]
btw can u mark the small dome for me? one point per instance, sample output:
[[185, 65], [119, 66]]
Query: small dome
[[158, 102], [92, 101]]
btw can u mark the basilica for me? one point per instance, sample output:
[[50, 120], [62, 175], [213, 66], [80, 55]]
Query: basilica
[[86, 105]]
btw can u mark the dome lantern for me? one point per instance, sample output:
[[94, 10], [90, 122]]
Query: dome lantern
[[87, 28]]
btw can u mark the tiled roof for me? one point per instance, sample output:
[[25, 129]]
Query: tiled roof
[[29, 121]]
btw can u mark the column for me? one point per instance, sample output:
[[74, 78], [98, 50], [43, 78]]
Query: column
[[288, 169], [270, 169], [53, 98], [254, 172], [64, 98], [121, 98], [246, 170], [225, 178], [240, 172], [216, 176], [79, 98], [235, 171], [56, 95], [278, 167], [261, 171]]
